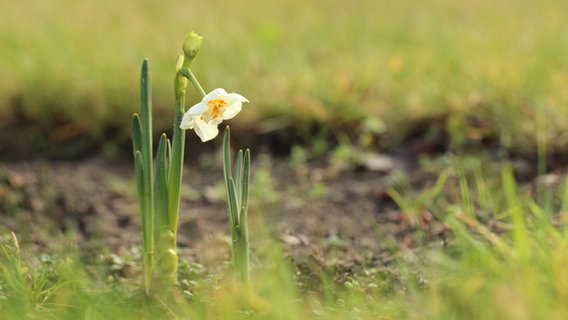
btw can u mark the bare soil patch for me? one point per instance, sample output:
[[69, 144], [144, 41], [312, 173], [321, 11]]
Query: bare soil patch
[[343, 222]]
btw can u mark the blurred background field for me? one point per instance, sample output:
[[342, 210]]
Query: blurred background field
[[455, 236], [69, 70]]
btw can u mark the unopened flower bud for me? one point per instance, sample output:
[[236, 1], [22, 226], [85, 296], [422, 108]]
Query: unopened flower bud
[[191, 45]]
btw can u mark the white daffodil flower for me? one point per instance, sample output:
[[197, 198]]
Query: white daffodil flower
[[216, 106]]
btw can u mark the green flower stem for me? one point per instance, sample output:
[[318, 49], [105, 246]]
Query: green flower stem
[[166, 258], [186, 72], [191, 46], [178, 145], [178, 141]]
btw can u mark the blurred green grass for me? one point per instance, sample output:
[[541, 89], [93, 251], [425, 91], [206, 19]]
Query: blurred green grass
[[301, 62], [502, 256]]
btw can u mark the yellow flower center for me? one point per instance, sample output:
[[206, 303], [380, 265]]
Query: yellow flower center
[[215, 109]]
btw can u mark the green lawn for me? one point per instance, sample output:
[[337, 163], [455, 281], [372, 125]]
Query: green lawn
[[300, 61]]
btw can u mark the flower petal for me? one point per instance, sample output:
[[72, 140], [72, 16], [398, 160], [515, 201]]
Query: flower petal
[[214, 94], [205, 131], [235, 105], [201, 107], [232, 110], [196, 109], [236, 96], [187, 121]]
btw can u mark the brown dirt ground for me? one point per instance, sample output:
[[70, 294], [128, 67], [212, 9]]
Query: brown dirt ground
[[343, 220], [340, 219]]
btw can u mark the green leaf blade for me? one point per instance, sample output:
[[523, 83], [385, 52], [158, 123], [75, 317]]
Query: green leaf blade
[[233, 208], [136, 133], [161, 184], [227, 170], [245, 181], [238, 176]]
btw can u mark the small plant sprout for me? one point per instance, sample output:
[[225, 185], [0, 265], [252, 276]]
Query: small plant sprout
[[158, 181], [237, 188]]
